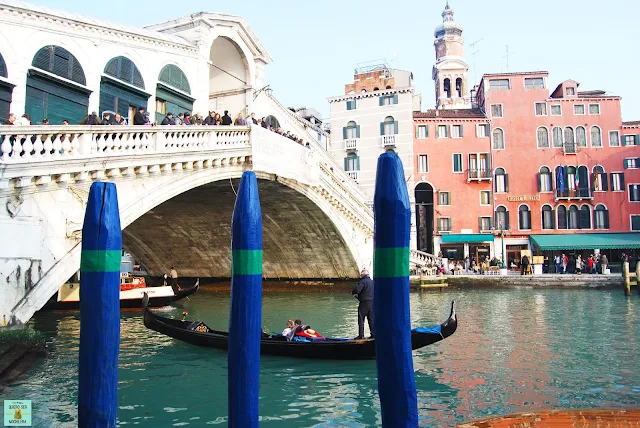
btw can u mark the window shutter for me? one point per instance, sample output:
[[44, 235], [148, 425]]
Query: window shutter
[[585, 219], [605, 184], [553, 219], [593, 181], [426, 131], [345, 163], [357, 131], [344, 132], [381, 128], [395, 100], [622, 180], [506, 183], [381, 101], [437, 131], [456, 163], [606, 219], [357, 167], [636, 139], [506, 220], [495, 184], [626, 164], [461, 131], [395, 127], [447, 131], [539, 182], [480, 224]]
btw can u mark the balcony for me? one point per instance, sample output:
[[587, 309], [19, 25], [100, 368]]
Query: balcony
[[479, 174], [353, 175], [351, 144], [578, 194], [388, 141], [570, 148]]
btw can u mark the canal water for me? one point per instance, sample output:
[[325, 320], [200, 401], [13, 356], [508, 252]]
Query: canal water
[[515, 350]]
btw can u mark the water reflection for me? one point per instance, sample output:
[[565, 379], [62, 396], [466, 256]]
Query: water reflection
[[515, 350]]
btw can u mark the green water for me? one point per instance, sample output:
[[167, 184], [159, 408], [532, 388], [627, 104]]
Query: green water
[[515, 350]]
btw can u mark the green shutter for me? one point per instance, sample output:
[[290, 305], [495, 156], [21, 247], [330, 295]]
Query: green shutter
[[417, 127], [456, 163], [605, 184], [626, 164], [461, 131], [395, 101], [426, 131], [446, 131], [437, 131], [395, 127], [381, 101], [479, 224], [344, 132], [381, 128], [622, 180], [506, 183], [357, 131], [636, 140], [357, 162], [539, 182], [345, 163]]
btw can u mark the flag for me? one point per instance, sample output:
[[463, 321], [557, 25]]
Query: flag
[[561, 179], [596, 175], [577, 181]]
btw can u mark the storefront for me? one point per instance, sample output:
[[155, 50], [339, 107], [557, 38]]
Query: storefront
[[476, 246]]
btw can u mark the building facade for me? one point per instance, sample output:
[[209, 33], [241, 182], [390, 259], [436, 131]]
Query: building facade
[[522, 165]]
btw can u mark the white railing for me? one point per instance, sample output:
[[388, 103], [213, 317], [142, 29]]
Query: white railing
[[351, 144], [388, 140], [20, 144], [353, 175], [422, 259]]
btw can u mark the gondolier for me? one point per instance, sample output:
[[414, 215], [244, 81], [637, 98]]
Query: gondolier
[[364, 292]]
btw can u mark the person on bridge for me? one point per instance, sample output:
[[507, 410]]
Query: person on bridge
[[226, 119], [364, 292]]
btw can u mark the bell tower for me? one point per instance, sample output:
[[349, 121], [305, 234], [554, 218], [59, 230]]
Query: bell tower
[[450, 72]]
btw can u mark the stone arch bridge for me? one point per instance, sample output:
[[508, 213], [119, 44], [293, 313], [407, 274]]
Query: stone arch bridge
[[176, 190]]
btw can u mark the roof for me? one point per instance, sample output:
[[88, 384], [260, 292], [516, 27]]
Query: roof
[[461, 238], [515, 73], [631, 123], [597, 93], [450, 114], [96, 22], [586, 241]]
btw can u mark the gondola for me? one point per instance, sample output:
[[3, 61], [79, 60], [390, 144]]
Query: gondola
[[197, 333]]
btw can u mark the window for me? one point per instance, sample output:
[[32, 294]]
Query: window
[[483, 130], [614, 139], [547, 218], [573, 217], [635, 222], [594, 108], [352, 163], [422, 131], [578, 109], [502, 218], [634, 192], [585, 217], [388, 100], [617, 181], [562, 217], [498, 139], [485, 224], [485, 197], [601, 217], [444, 224], [447, 87], [556, 110], [630, 140], [444, 198], [541, 109], [543, 138], [631, 163], [581, 137], [456, 131], [524, 218], [351, 131], [161, 106], [499, 85], [389, 126], [534, 83], [569, 142], [571, 91], [496, 110], [596, 137], [479, 165], [544, 180], [501, 183], [457, 162], [351, 105], [557, 137], [423, 163], [599, 179], [442, 131]]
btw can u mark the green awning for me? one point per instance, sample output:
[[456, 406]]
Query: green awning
[[461, 238], [586, 241]]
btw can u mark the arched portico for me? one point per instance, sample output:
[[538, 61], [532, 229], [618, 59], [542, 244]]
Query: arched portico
[[230, 77]]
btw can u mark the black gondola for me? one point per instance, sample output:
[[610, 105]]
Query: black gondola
[[197, 333]]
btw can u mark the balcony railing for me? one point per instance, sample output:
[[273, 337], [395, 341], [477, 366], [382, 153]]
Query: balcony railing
[[580, 193], [480, 174], [351, 144], [570, 148], [353, 174], [388, 141]]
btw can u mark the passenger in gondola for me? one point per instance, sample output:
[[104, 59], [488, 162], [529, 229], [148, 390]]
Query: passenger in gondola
[[287, 330]]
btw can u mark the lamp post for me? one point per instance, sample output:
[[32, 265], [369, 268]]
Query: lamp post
[[502, 264]]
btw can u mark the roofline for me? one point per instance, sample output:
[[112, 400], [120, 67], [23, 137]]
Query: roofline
[[370, 94], [521, 73]]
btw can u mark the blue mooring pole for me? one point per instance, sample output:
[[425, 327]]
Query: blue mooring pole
[[392, 230], [245, 319], [100, 309]]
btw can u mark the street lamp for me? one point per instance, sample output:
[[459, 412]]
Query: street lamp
[[502, 264]]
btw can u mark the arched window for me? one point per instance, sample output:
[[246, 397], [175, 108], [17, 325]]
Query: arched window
[[585, 217], [173, 76], [388, 87], [459, 87], [566, 181], [583, 182], [569, 140], [376, 89], [498, 139], [574, 217], [547, 218], [352, 130], [363, 91], [581, 137], [544, 180], [447, 87], [599, 180], [502, 218], [524, 217], [352, 162], [596, 137], [601, 217], [557, 137], [3, 68], [389, 126], [562, 217], [61, 62], [501, 181], [543, 138], [124, 69]]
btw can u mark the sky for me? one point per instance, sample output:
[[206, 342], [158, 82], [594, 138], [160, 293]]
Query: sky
[[316, 46]]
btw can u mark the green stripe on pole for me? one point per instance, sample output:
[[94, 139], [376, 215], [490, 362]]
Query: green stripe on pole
[[246, 262], [100, 260], [390, 262]]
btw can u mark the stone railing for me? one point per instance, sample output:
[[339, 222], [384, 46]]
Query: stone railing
[[421, 258]]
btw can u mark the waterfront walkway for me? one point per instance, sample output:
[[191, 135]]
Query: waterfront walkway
[[514, 279]]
